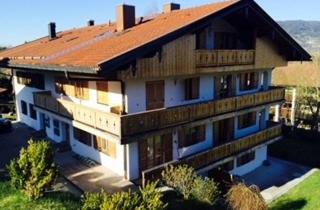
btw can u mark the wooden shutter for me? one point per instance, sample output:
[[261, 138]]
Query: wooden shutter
[[217, 87], [182, 138], [167, 147], [155, 94], [195, 87], [201, 133], [112, 149], [143, 154], [102, 92]]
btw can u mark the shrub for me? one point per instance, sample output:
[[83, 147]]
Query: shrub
[[121, 200], [34, 171], [93, 201], [181, 178], [205, 190], [151, 198], [241, 197]]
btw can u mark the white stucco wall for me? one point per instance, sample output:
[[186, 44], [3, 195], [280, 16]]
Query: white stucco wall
[[261, 155], [174, 93]]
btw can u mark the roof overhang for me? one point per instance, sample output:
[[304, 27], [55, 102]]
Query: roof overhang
[[298, 53]]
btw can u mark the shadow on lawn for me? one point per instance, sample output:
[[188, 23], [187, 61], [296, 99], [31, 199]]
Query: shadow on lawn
[[289, 205]]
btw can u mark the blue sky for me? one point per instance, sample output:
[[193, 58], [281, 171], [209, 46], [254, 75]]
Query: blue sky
[[25, 20]]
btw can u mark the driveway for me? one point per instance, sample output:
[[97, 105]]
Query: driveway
[[11, 143]]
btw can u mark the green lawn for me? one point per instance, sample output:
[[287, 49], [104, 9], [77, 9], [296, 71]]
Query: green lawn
[[306, 196], [11, 199]]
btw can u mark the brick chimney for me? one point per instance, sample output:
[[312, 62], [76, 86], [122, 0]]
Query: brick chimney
[[52, 30], [171, 7], [90, 22], [126, 17]]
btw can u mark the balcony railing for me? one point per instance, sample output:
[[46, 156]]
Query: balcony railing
[[138, 123], [215, 58], [215, 154], [158, 119], [105, 121]]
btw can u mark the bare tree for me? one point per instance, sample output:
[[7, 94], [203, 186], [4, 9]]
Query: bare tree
[[308, 92]]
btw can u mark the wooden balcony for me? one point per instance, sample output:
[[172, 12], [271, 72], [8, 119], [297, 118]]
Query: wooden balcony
[[158, 119], [215, 58], [215, 154], [105, 121]]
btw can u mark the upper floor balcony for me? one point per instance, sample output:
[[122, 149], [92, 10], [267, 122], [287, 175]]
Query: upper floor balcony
[[216, 58], [128, 125]]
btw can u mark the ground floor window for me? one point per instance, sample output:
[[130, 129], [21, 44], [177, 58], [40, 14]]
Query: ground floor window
[[228, 166], [191, 136], [33, 113], [155, 151], [82, 136], [105, 146], [24, 108], [244, 159], [56, 127]]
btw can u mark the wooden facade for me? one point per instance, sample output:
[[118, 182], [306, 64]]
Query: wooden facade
[[215, 154], [181, 58]]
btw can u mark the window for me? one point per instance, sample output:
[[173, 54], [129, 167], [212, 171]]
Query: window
[[56, 127], [202, 39], [105, 146], [33, 113], [24, 108], [225, 40], [30, 80], [82, 136], [192, 88], [244, 159], [224, 86], [228, 166], [191, 136], [247, 120], [81, 90], [155, 151], [249, 81], [102, 92]]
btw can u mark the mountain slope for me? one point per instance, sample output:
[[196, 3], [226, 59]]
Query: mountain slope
[[307, 33]]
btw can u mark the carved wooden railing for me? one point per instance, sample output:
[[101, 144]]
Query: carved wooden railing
[[215, 154], [215, 58], [105, 121], [158, 119]]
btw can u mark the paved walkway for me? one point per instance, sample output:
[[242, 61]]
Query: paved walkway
[[91, 179], [278, 178]]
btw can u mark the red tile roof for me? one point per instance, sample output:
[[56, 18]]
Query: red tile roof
[[90, 46]]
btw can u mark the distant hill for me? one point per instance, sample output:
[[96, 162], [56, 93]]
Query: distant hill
[[307, 33]]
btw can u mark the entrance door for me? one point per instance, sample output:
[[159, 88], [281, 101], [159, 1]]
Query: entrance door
[[155, 95], [155, 151], [42, 119]]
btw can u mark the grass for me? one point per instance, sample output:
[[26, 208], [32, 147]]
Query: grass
[[12, 199], [305, 196]]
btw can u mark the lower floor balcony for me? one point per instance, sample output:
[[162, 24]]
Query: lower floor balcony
[[210, 156]]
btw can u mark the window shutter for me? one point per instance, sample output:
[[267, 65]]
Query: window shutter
[[85, 86], [201, 133], [143, 153], [102, 90], [112, 148], [182, 138], [167, 147], [195, 87]]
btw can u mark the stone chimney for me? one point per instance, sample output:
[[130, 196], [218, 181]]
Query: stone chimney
[[126, 17], [52, 30], [171, 7]]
